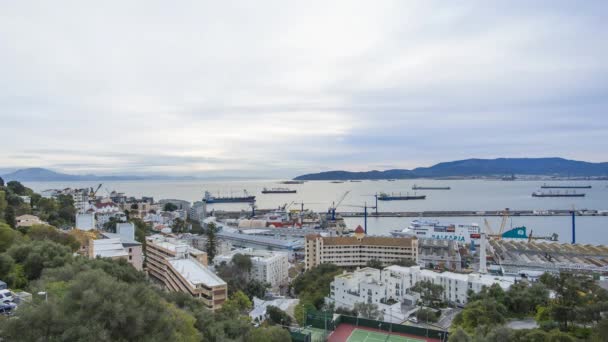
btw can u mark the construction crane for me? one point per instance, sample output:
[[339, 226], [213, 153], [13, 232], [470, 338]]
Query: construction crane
[[335, 205], [302, 209], [93, 193], [375, 197], [365, 207]]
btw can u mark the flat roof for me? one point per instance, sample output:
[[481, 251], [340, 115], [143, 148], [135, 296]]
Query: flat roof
[[109, 248], [195, 273]]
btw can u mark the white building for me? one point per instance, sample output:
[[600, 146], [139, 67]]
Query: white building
[[85, 221], [121, 245], [393, 284], [267, 266]]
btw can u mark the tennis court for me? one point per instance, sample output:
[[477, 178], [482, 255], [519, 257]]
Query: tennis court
[[359, 335], [351, 333]]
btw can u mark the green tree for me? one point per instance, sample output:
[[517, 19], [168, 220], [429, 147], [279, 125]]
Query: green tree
[[8, 236], [270, 334], [3, 203], [430, 292], [211, 241], [374, 263], [1, 181], [406, 262], [277, 316], [179, 226], [97, 307], [426, 315], [459, 335], [368, 310], [242, 263], [169, 207], [9, 216], [16, 188], [40, 232], [37, 255], [313, 285]]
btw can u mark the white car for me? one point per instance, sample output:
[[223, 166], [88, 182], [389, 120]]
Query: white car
[[6, 296]]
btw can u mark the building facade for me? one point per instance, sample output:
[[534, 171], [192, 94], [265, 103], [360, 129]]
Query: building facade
[[353, 251], [393, 285], [183, 268], [267, 266], [121, 245]]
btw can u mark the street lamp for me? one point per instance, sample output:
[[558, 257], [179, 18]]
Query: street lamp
[[45, 294]]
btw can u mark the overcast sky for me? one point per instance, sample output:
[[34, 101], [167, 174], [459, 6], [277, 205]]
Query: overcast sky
[[282, 87]]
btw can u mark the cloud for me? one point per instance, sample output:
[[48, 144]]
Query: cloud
[[277, 89]]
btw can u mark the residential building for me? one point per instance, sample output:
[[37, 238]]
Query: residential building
[[183, 268], [28, 220], [121, 245], [391, 287], [267, 266], [198, 211], [357, 250], [180, 204]]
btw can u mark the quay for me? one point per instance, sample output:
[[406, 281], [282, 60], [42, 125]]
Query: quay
[[481, 213], [434, 213]]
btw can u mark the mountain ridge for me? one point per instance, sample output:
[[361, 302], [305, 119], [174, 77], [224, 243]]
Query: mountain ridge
[[476, 167]]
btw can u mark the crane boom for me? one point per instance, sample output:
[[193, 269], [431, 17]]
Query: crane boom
[[505, 216]]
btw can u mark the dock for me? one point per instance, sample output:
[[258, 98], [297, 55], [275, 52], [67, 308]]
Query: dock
[[481, 213]]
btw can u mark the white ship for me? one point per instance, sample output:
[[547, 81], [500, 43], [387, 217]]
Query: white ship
[[432, 229]]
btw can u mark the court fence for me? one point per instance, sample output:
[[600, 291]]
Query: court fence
[[393, 327]]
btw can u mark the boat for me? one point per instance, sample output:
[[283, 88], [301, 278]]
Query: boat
[[433, 229], [462, 233], [292, 182], [557, 194], [390, 180], [416, 187], [545, 186], [399, 197], [278, 191], [355, 181], [231, 199], [337, 182]]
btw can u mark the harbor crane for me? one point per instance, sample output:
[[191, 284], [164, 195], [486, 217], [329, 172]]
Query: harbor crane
[[302, 209], [93, 193], [376, 198], [503, 224], [335, 205], [365, 207]]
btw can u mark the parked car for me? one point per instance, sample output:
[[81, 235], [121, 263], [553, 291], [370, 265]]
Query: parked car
[[7, 308], [6, 296]]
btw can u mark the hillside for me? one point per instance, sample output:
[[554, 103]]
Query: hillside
[[476, 167], [45, 175]]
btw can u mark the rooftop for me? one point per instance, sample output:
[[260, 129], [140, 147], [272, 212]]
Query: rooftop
[[109, 248], [195, 273]]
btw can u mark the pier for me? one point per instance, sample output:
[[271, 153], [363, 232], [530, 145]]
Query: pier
[[480, 213]]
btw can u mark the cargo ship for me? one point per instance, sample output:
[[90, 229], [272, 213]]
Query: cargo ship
[[416, 187], [557, 194], [232, 199], [292, 182], [545, 186], [278, 191], [399, 197]]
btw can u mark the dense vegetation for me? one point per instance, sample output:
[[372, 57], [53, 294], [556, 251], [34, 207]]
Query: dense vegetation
[[312, 287], [575, 311], [101, 299]]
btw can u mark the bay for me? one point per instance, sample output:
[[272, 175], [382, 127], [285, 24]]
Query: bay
[[475, 195]]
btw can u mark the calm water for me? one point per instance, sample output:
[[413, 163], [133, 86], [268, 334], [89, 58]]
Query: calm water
[[464, 195]]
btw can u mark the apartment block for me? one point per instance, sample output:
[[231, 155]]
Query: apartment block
[[183, 268], [357, 250]]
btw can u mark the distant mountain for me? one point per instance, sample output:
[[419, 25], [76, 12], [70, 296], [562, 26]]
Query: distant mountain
[[477, 167], [45, 175]]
